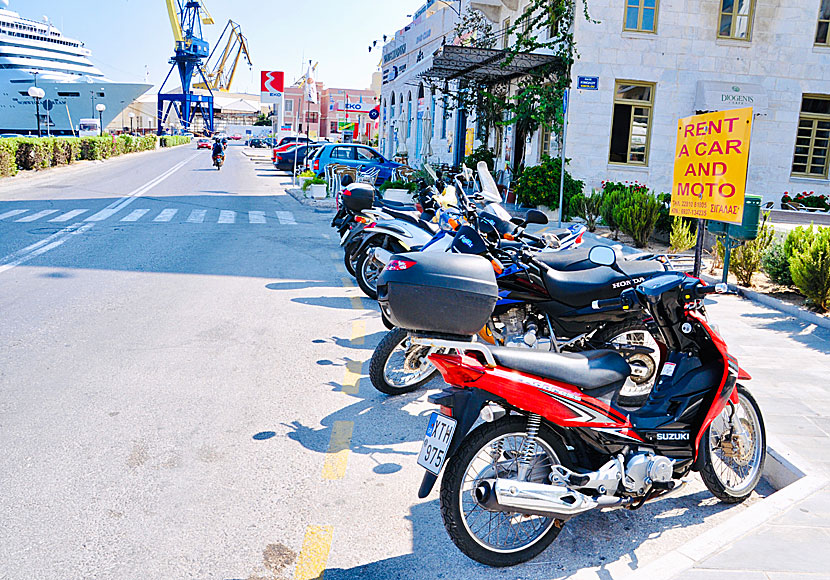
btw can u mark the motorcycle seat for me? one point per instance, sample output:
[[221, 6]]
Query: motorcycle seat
[[579, 288], [577, 260], [588, 370], [413, 218]]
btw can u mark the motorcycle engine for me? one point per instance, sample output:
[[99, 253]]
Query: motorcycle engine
[[521, 331], [645, 468]]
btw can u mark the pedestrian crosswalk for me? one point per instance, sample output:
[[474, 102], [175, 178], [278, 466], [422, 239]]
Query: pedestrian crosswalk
[[166, 215]]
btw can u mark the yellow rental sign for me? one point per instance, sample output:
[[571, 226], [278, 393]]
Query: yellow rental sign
[[710, 165]]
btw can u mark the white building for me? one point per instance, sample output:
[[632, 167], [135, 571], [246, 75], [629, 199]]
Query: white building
[[405, 98], [656, 61]]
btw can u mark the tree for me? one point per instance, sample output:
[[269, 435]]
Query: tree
[[262, 121]]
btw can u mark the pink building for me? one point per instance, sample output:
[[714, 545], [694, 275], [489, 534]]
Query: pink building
[[339, 115]]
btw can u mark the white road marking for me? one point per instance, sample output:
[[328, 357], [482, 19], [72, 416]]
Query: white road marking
[[135, 215], [37, 216], [69, 215], [166, 215], [227, 217], [43, 246], [256, 217], [102, 215], [12, 213], [55, 240], [286, 218], [197, 216]]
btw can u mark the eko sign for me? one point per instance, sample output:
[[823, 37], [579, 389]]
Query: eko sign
[[710, 165], [272, 86]]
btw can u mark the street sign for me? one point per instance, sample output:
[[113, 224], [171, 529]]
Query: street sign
[[48, 104], [587, 83], [710, 165], [272, 86], [565, 99]]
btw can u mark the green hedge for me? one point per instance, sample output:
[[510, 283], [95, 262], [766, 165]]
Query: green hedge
[[539, 185], [174, 140], [31, 153]]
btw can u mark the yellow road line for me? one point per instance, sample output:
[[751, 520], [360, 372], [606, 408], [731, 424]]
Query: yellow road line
[[351, 379], [357, 302], [315, 553], [358, 331], [346, 283], [337, 456]]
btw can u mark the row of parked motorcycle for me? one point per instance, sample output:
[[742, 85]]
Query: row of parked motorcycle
[[576, 379]]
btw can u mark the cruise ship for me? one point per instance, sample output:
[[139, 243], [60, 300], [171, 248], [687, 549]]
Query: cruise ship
[[36, 53]]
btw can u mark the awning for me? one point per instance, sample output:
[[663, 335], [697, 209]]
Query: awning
[[722, 96], [485, 64]]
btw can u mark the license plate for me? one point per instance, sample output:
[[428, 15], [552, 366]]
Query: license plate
[[438, 438]]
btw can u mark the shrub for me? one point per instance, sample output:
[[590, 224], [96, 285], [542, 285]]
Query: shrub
[[8, 157], [612, 200], [588, 208], [481, 154], [410, 186], [682, 237], [315, 181], [807, 199], [810, 269], [776, 264], [746, 259], [666, 221], [539, 185], [174, 140], [638, 216], [34, 153]]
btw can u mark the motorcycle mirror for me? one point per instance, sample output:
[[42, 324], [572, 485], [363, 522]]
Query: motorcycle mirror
[[518, 221], [602, 256], [534, 216]]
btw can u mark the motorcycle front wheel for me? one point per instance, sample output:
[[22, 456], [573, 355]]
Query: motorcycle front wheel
[[733, 450], [398, 367], [493, 450]]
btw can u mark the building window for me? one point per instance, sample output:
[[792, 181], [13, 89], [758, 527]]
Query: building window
[[823, 23], [736, 19], [641, 15], [631, 125], [505, 31], [546, 144], [813, 137], [289, 106], [444, 115], [333, 127], [311, 116]]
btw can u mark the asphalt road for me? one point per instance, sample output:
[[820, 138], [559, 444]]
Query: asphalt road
[[183, 394]]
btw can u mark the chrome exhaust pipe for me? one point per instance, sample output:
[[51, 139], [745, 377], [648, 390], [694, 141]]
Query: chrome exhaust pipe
[[552, 501]]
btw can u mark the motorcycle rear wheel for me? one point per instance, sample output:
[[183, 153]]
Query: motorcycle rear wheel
[[366, 273], [731, 467], [497, 538], [634, 332], [389, 374]]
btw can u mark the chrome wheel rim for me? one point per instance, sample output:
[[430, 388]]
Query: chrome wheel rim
[[407, 364], [737, 447], [497, 531], [371, 271]]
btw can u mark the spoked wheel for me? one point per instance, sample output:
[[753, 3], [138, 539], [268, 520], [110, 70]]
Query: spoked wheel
[[349, 262], [493, 450], [733, 450], [367, 271], [643, 366], [398, 366]]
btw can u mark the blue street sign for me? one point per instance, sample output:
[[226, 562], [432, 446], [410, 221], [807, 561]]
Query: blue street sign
[[565, 101], [587, 83]]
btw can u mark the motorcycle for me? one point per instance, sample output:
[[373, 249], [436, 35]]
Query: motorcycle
[[553, 444], [540, 306], [218, 161]]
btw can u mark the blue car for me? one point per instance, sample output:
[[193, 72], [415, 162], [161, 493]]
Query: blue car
[[356, 155]]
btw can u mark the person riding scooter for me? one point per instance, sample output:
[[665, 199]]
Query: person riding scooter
[[218, 153]]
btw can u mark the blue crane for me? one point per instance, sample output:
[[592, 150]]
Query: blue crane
[[186, 19]]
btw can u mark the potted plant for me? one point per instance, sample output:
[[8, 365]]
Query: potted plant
[[305, 177], [400, 191], [317, 187]]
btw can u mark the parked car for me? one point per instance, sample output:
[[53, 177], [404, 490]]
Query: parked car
[[285, 160], [236, 137], [295, 139], [262, 142], [204, 143], [355, 155], [288, 146]]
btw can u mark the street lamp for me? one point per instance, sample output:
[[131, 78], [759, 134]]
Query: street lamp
[[131, 115], [101, 107], [37, 93]]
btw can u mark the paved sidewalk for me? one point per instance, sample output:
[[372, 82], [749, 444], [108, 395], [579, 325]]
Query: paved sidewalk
[[789, 361]]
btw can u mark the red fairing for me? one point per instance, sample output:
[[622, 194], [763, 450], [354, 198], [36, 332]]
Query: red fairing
[[743, 375], [724, 393], [559, 403]]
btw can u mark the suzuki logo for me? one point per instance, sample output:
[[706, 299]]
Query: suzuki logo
[[678, 436]]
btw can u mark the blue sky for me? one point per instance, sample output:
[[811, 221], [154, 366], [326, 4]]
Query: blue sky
[[127, 35]]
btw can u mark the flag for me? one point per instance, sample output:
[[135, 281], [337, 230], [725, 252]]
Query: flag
[[310, 87]]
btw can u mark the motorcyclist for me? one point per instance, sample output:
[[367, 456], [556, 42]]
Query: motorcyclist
[[218, 149]]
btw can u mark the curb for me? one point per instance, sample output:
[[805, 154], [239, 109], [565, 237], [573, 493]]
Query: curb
[[317, 204], [782, 467]]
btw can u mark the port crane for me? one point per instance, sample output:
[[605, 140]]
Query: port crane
[[220, 75], [191, 49]]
